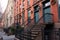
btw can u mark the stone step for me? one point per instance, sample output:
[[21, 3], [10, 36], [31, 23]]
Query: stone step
[[57, 25], [36, 30], [27, 37]]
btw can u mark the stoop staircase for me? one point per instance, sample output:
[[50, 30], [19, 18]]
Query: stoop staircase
[[34, 31], [33, 34]]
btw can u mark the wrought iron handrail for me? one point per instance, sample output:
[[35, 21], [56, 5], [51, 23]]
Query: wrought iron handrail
[[38, 23], [44, 16], [28, 25], [51, 17], [31, 25]]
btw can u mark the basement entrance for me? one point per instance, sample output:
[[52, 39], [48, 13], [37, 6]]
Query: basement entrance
[[48, 31]]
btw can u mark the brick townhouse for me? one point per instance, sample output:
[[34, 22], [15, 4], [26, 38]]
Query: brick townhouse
[[36, 14]]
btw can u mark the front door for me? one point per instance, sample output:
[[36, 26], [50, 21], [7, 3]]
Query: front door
[[47, 16], [47, 12], [48, 32]]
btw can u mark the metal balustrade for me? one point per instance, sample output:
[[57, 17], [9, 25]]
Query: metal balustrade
[[51, 34], [30, 26]]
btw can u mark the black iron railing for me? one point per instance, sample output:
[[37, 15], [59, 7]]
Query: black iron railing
[[48, 18], [32, 24], [42, 18], [28, 25], [52, 34], [40, 22]]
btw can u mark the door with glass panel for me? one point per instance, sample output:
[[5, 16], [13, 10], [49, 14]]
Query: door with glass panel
[[47, 12], [47, 15]]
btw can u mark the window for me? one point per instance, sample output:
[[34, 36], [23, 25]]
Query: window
[[59, 8], [10, 19], [36, 13], [22, 17], [28, 2], [36, 8], [7, 21], [18, 16], [29, 15], [17, 21], [22, 6]]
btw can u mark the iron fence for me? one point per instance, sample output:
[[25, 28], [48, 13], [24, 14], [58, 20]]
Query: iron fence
[[53, 34]]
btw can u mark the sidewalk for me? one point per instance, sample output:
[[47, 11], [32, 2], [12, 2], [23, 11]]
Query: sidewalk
[[3, 35]]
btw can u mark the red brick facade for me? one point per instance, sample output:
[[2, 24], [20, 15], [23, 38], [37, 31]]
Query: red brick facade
[[22, 6]]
